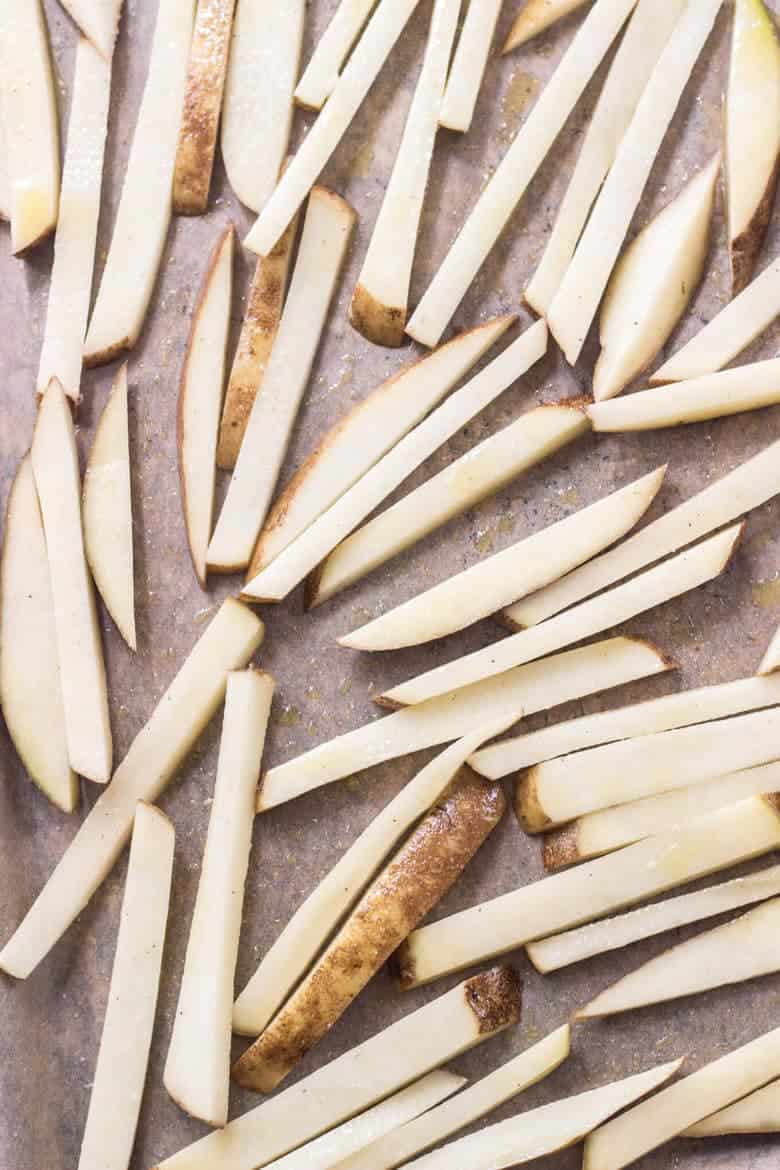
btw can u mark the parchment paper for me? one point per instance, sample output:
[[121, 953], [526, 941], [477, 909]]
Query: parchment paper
[[50, 1024]]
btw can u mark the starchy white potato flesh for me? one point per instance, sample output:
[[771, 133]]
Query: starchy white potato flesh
[[30, 686], [531, 688], [115, 1100], [759, 1112], [501, 1085], [370, 54], [366, 433], [510, 180], [55, 465], [575, 303], [652, 283], [98, 20], [331, 51], [535, 16], [572, 946], [200, 400], [154, 756], [655, 1121], [107, 510], [739, 491], [197, 1069], [32, 135], [327, 231], [468, 66], [304, 936], [379, 302], [305, 553], [647, 32], [484, 588], [74, 244], [257, 111], [413, 1046], [681, 573], [703, 846], [141, 224]]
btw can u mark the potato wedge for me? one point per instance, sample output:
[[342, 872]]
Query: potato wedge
[[154, 757], [468, 65], [454, 1022], [331, 51], [759, 1112], [534, 17]]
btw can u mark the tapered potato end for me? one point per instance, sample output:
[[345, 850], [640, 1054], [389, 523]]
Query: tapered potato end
[[771, 660], [381, 324], [528, 808], [103, 357], [535, 17], [744, 248], [560, 847], [495, 997]]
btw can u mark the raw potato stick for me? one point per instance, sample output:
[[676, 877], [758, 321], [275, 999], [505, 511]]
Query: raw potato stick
[[322, 72], [115, 1100], [154, 756], [200, 400], [739, 491], [371, 52], [327, 231], [561, 950], [701, 847], [315, 920], [575, 303], [74, 243], [366, 433], [98, 21], [528, 688], [468, 66], [202, 106], [379, 302], [535, 16], [759, 1112], [305, 553], [141, 224], [482, 589], [55, 465], [509, 181], [461, 1018], [30, 685], [505, 1082], [410, 885], [257, 108], [107, 511], [32, 135], [688, 570]]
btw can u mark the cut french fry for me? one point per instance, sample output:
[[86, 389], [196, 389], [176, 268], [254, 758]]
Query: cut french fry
[[560, 950], [257, 109], [575, 303], [745, 948], [511, 178], [545, 1130], [484, 588], [505, 1082], [366, 433], [531, 688], [197, 1069], [641, 45], [141, 224], [465, 1016], [98, 21], [468, 66], [202, 106], [200, 400], [262, 316], [322, 72], [534, 17], [310, 927], [662, 1117], [759, 1112], [746, 487], [154, 756], [55, 465], [327, 230], [688, 570], [30, 686], [74, 244], [703, 846], [652, 284], [562, 789], [379, 302], [305, 553], [107, 511], [115, 1101], [371, 52]]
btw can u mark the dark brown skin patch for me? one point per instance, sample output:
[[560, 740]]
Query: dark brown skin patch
[[378, 323], [773, 800], [746, 247], [560, 847], [495, 997]]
